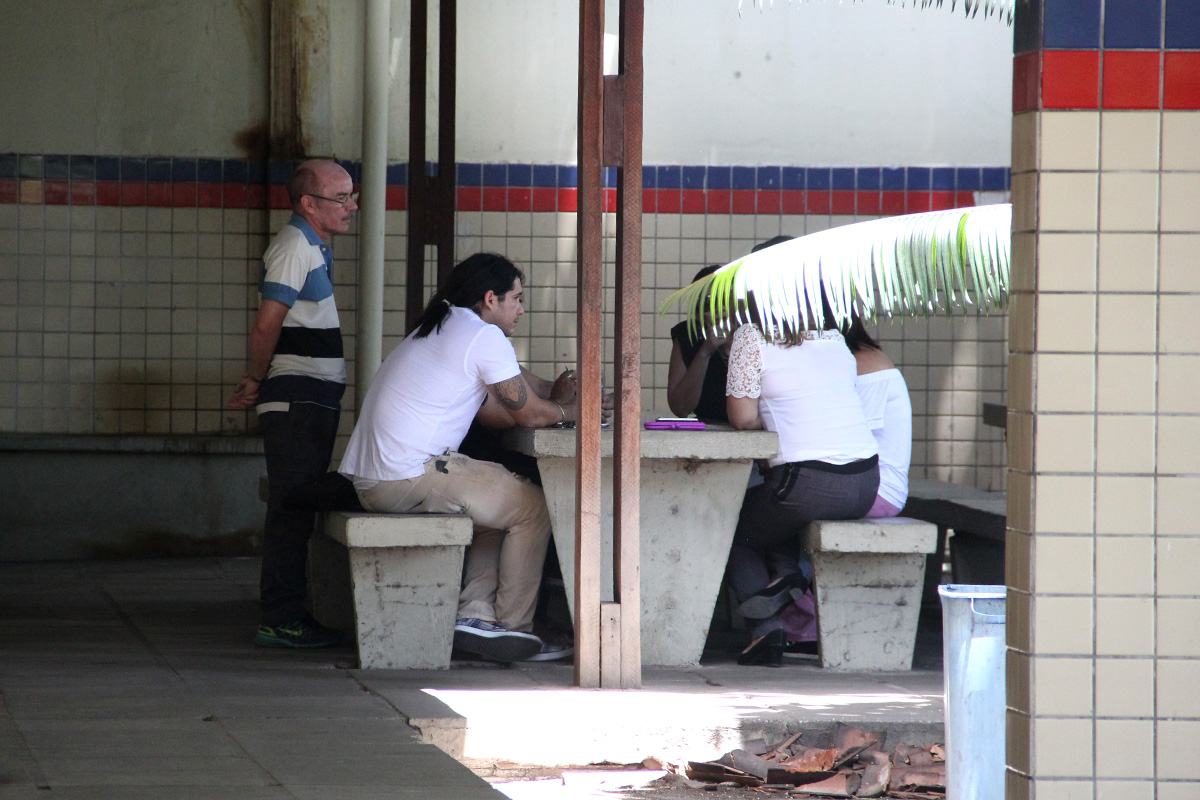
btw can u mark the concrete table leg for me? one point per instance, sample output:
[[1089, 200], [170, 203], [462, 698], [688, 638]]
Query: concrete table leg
[[867, 609], [689, 512]]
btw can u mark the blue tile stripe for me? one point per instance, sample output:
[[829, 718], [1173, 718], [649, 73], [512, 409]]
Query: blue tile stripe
[[1107, 24], [1183, 24], [173, 181], [674, 176]]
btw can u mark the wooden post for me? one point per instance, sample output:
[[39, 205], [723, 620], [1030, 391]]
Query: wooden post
[[447, 178], [430, 198], [611, 651], [608, 636], [589, 302], [418, 224], [627, 450]]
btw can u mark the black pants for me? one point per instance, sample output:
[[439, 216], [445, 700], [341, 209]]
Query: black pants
[[298, 444], [483, 444]]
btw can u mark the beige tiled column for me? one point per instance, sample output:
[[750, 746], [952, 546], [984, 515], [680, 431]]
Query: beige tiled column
[[1104, 456]]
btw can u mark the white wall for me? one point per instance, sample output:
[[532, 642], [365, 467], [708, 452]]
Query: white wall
[[809, 83], [130, 77], [129, 319], [813, 84]]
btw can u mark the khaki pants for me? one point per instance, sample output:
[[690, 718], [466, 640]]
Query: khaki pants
[[503, 568]]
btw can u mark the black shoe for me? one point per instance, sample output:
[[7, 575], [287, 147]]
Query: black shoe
[[494, 641], [765, 651], [305, 633], [767, 602]]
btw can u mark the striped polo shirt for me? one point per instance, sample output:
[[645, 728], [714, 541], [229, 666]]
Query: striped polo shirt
[[308, 364]]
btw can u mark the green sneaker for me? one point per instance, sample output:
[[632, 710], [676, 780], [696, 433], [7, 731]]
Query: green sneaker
[[301, 633]]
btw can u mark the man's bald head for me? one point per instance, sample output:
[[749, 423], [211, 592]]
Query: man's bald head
[[309, 178], [322, 193]]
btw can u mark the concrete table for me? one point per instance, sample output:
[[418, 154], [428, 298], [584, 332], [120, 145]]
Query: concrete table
[[692, 484]]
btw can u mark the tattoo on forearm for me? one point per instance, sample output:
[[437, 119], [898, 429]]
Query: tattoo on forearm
[[511, 393]]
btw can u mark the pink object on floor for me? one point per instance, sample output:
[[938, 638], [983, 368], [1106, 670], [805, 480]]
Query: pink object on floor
[[800, 619]]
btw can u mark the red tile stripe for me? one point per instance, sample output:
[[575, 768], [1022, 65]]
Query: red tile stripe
[[1181, 81], [1107, 79], [492, 198]]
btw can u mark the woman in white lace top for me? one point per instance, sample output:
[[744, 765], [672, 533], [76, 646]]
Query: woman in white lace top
[[801, 387]]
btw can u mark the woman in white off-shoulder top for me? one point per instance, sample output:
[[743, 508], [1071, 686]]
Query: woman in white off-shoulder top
[[885, 400]]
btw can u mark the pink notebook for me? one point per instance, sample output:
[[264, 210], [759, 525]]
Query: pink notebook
[[667, 424]]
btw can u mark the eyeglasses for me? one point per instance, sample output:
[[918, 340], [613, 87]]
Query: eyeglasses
[[341, 201]]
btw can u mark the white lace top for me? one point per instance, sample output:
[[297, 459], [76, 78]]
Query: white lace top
[[805, 394]]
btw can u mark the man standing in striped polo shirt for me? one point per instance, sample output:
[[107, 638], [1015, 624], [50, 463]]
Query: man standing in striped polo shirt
[[295, 381]]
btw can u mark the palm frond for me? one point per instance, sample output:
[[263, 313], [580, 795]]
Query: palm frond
[[912, 265], [1003, 9]]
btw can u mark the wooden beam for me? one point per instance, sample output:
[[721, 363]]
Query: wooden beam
[[627, 131], [589, 303], [418, 222], [610, 645], [430, 197], [443, 201]]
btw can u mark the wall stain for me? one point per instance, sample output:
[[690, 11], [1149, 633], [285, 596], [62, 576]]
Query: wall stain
[[300, 42], [251, 19], [255, 141]]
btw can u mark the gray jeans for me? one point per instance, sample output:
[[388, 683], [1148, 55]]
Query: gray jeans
[[766, 544]]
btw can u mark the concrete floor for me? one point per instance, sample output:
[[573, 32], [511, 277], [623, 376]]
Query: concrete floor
[[138, 679]]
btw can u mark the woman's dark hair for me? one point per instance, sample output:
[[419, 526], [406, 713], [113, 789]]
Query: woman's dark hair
[[702, 302], [786, 333], [705, 271], [469, 283], [857, 337], [774, 240]]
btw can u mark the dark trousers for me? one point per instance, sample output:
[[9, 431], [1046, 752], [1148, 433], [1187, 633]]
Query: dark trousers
[[766, 544], [298, 444]]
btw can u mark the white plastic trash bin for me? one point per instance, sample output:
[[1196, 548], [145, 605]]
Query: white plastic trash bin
[[974, 647]]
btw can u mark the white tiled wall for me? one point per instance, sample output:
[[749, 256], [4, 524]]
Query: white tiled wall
[[1103, 602], [134, 320]]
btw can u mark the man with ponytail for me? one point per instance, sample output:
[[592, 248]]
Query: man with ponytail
[[402, 456]]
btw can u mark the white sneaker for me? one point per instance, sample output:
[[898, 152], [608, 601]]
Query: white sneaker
[[494, 641]]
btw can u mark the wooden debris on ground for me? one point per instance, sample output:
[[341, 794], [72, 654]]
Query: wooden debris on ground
[[842, 784], [875, 779], [712, 772], [855, 766], [747, 762]]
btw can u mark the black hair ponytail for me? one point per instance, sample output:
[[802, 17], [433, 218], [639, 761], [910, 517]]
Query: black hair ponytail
[[469, 283]]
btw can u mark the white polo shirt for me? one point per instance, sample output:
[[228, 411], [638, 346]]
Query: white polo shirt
[[422, 400]]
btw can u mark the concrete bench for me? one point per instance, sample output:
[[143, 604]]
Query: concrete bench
[[868, 576], [978, 519], [394, 580]]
